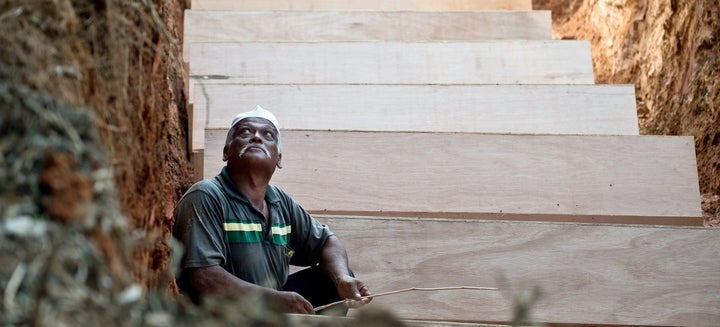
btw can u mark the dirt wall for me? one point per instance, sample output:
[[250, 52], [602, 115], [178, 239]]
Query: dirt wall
[[119, 62], [670, 51]]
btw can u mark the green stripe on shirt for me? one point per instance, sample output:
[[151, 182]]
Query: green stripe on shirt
[[280, 234], [243, 232]]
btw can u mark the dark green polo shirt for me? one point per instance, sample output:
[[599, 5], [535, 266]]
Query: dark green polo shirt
[[219, 226]]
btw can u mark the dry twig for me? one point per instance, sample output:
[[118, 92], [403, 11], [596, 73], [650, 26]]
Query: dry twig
[[476, 288]]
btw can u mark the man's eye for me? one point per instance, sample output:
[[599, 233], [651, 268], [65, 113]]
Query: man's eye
[[269, 135]]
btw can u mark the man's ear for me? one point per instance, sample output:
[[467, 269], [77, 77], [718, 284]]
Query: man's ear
[[279, 163], [225, 153]]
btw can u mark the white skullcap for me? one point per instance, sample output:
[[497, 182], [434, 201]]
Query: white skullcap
[[259, 112]]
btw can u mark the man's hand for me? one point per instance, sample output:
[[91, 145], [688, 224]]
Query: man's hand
[[334, 261], [354, 291], [215, 279], [294, 302]]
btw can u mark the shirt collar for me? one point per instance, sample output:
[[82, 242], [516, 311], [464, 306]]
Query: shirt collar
[[271, 194]]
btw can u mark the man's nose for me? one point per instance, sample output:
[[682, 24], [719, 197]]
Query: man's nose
[[256, 137]]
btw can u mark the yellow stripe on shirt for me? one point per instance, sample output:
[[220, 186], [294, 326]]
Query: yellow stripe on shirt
[[281, 230], [242, 227]]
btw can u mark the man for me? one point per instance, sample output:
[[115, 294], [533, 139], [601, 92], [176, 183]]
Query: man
[[241, 233]]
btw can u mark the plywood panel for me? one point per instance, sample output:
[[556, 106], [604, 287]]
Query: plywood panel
[[402, 5], [482, 62], [507, 176], [521, 109], [249, 26], [592, 274]]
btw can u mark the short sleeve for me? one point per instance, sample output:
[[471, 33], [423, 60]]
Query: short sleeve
[[198, 226]]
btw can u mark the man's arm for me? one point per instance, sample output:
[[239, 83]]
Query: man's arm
[[214, 279], [334, 262]]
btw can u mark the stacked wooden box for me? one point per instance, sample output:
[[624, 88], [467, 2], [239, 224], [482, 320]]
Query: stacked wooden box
[[453, 142]]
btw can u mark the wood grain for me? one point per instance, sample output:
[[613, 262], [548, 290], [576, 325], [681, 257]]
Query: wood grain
[[482, 62], [314, 26], [402, 5], [591, 274], [521, 109], [460, 175]]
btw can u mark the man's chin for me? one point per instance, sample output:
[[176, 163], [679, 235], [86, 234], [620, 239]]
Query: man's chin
[[255, 156]]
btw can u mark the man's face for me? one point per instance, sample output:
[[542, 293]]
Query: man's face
[[253, 141]]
